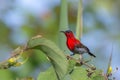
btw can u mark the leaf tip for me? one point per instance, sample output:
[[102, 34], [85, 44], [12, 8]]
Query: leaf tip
[[38, 36]]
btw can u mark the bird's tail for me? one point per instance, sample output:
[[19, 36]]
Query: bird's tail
[[91, 54]]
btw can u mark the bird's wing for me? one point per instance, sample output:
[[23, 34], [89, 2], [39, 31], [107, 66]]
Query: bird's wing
[[83, 46], [80, 48]]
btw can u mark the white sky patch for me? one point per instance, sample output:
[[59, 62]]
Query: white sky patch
[[37, 6]]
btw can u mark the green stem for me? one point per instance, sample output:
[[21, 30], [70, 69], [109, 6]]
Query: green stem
[[109, 63], [79, 28], [63, 23]]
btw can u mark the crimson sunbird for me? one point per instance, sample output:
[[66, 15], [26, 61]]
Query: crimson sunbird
[[74, 45]]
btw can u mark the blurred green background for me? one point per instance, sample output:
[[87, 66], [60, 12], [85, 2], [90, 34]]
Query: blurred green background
[[22, 19]]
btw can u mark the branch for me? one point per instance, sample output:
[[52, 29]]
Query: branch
[[80, 62], [13, 60]]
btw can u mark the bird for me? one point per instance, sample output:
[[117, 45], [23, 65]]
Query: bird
[[74, 45]]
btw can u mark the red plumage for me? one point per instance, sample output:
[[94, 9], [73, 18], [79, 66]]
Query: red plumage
[[71, 42], [75, 45]]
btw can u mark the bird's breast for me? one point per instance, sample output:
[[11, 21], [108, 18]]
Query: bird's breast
[[70, 44]]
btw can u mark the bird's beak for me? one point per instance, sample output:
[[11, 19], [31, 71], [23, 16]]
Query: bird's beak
[[62, 31]]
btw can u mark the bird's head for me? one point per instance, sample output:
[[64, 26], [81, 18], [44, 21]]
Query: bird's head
[[68, 33]]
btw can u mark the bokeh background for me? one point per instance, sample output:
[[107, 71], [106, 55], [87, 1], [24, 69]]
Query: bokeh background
[[22, 19]]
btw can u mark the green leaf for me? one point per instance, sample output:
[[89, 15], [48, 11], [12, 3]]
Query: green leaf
[[7, 75], [98, 78], [98, 75], [67, 77], [47, 75], [63, 24], [71, 65], [79, 73], [55, 55]]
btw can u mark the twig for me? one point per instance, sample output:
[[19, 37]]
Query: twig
[[80, 62], [12, 61]]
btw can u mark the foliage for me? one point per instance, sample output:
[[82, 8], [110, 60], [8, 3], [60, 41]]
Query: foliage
[[60, 68]]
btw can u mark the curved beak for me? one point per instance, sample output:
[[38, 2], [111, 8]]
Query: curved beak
[[62, 31]]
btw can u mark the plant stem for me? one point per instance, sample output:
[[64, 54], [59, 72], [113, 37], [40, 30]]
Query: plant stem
[[63, 23], [79, 28]]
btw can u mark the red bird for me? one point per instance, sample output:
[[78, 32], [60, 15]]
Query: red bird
[[75, 45]]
